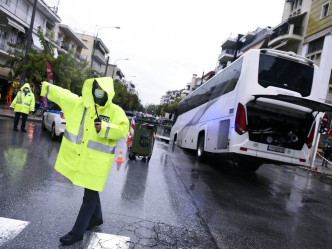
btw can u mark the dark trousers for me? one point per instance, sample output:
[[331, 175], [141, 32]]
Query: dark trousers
[[90, 211], [324, 162], [17, 118]]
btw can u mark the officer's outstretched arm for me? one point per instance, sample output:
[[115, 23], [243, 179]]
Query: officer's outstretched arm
[[117, 128], [63, 97]]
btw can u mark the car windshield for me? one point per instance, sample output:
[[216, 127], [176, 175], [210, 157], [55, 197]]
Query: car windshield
[[287, 74], [53, 107]]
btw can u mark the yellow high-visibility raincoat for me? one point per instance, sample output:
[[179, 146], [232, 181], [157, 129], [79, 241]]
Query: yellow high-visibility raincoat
[[24, 103], [85, 155]]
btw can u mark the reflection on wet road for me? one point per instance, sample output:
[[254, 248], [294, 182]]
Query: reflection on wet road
[[171, 202]]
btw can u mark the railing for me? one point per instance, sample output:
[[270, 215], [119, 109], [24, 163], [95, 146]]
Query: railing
[[79, 56], [285, 29], [3, 44], [101, 55], [48, 33], [226, 51]]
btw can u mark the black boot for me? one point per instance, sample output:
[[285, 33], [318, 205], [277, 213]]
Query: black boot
[[70, 238], [92, 224]]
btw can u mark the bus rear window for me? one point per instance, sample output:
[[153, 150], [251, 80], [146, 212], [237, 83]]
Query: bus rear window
[[283, 73]]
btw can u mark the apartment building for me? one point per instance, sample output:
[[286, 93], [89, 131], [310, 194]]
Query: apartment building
[[290, 33], [170, 97], [232, 48], [66, 40], [317, 44], [15, 18], [96, 52]]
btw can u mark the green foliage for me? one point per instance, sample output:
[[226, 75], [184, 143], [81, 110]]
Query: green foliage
[[126, 100], [162, 109]]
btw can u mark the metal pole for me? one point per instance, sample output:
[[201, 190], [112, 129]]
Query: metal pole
[[315, 146], [114, 68], [93, 50], [108, 58], [28, 44]]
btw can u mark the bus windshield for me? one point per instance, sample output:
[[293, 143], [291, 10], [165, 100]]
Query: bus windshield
[[283, 73]]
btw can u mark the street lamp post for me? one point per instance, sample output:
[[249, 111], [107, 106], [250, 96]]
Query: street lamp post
[[96, 39], [126, 59]]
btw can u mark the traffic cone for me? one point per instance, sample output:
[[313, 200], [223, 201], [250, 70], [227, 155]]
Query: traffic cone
[[119, 159]]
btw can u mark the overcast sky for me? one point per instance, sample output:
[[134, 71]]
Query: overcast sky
[[167, 41]]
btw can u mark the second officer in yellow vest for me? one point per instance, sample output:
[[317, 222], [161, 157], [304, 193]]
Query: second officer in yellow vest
[[93, 124], [23, 103]]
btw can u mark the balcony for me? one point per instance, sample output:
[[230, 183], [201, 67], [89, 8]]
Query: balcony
[[226, 55], [99, 56], [65, 46], [290, 32], [79, 56], [3, 45]]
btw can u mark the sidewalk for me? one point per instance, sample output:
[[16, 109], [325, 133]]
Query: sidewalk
[[6, 111]]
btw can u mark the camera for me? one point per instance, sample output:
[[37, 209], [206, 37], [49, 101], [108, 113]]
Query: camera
[[97, 120]]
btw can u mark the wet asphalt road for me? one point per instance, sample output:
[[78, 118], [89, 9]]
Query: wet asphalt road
[[170, 202]]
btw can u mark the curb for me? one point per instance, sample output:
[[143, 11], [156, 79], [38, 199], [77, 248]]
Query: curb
[[32, 118]]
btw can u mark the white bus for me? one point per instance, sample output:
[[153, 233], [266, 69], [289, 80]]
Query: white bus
[[261, 108]]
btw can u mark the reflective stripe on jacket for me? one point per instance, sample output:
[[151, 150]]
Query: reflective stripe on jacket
[[85, 155], [24, 103]]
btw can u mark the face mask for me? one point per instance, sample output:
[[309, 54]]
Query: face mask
[[26, 90], [99, 93]]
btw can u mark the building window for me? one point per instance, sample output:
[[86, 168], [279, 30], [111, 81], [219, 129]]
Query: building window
[[325, 10], [316, 45]]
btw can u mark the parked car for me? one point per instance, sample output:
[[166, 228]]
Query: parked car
[[54, 121]]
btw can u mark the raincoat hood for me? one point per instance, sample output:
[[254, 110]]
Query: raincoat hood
[[24, 86], [106, 83]]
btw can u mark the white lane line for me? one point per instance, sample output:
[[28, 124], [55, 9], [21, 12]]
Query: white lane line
[[10, 228], [108, 241]]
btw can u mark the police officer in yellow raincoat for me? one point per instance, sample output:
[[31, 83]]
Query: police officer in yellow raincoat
[[93, 124], [23, 103]]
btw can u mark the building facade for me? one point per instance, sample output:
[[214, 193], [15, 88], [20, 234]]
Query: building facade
[[66, 40], [15, 18], [96, 53], [290, 33], [232, 48], [317, 44]]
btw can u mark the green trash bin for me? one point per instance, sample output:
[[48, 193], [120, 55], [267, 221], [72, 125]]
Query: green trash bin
[[143, 139]]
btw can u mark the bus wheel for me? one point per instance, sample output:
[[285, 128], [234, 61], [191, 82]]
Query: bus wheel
[[200, 154]]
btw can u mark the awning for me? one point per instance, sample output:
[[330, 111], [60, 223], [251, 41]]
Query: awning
[[16, 25], [311, 104], [36, 41]]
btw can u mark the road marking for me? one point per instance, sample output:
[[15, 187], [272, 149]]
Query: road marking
[[10, 228], [108, 241]]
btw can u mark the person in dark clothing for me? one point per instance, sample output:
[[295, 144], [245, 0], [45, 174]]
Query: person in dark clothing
[[327, 154]]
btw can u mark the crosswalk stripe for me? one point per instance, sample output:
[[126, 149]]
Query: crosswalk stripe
[[10, 228], [108, 241]]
